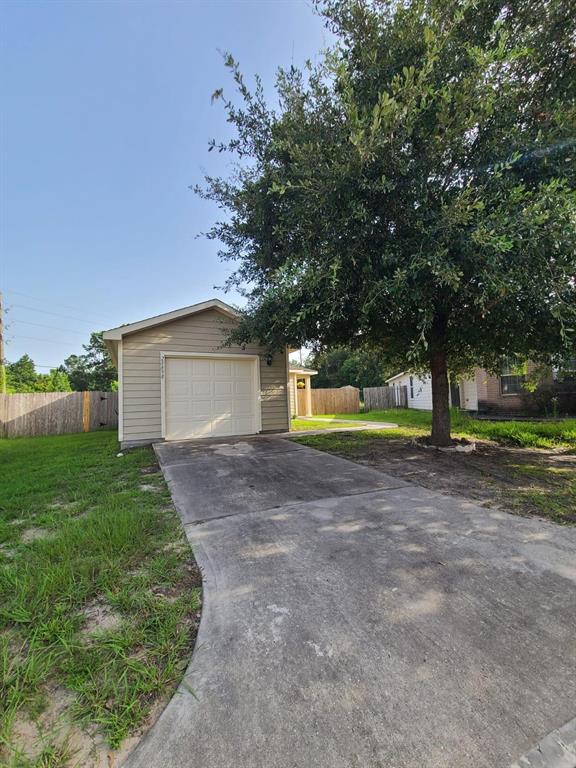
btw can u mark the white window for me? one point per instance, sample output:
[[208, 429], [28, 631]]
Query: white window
[[513, 377]]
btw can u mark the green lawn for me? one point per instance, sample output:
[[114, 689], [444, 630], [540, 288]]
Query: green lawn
[[307, 424], [98, 594], [525, 434]]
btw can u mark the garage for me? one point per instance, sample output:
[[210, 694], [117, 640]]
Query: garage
[[180, 377], [210, 396]]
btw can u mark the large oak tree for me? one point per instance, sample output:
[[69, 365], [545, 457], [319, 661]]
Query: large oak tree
[[415, 191]]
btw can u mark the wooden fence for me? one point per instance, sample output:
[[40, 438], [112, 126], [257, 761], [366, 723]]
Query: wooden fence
[[54, 413], [343, 400], [381, 398]]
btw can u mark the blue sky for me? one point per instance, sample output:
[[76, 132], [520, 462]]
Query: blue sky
[[107, 118]]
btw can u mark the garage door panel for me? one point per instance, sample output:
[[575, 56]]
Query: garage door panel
[[223, 368], [223, 408], [209, 398], [243, 387], [222, 428], [242, 372], [200, 367], [181, 429], [200, 387], [178, 387], [243, 426], [242, 408], [223, 387], [200, 407]]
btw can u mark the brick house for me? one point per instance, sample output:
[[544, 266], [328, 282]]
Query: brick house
[[504, 394]]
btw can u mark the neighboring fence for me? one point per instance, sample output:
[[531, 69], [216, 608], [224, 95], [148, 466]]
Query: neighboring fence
[[343, 400], [381, 398], [54, 413]]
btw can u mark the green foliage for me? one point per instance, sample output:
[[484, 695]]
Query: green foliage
[[94, 370], [344, 366], [415, 190], [22, 377], [55, 381]]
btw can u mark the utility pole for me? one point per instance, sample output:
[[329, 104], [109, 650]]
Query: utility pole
[[2, 360]]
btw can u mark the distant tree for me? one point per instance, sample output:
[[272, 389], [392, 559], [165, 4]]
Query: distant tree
[[414, 189], [55, 381], [94, 370], [21, 375], [343, 366]]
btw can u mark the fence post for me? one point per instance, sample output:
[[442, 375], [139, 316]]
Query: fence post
[[86, 411]]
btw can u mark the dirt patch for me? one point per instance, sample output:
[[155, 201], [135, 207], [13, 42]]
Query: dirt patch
[[7, 552], [35, 534], [523, 480], [76, 746], [100, 617], [152, 470], [150, 488]]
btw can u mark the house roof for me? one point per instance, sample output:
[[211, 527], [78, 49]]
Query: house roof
[[300, 369], [397, 376], [116, 334]]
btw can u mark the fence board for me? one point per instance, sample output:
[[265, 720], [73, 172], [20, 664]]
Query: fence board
[[56, 413], [381, 398], [301, 395], [343, 400]]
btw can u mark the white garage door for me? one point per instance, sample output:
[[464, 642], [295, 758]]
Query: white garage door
[[210, 397]]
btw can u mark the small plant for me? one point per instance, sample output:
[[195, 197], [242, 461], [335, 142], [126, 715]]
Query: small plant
[[554, 403]]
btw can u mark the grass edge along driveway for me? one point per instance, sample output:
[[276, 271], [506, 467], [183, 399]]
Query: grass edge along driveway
[[528, 467], [99, 597], [524, 434]]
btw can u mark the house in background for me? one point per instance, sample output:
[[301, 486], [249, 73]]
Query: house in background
[[503, 394], [300, 390], [178, 378], [462, 395]]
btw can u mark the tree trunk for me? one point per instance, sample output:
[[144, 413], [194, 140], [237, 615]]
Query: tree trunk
[[440, 399]]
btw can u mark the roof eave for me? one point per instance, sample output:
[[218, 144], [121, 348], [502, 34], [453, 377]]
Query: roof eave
[[397, 376], [116, 334]]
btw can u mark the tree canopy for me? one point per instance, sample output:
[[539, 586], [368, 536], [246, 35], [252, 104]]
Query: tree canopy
[[94, 370], [21, 376], [415, 191], [344, 366]]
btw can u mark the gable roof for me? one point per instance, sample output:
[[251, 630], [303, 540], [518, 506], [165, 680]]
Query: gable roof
[[301, 369], [116, 334], [397, 376]]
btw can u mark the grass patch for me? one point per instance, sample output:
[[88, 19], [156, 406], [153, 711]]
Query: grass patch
[[105, 534], [524, 434], [312, 424], [550, 491], [353, 445]]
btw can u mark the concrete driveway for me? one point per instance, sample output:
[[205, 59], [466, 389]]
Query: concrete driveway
[[352, 620]]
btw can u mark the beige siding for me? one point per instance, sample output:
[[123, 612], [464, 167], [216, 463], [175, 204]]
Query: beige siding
[[203, 332]]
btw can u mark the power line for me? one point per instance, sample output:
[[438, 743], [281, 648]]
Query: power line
[[57, 314], [47, 341], [66, 306], [51, 327]]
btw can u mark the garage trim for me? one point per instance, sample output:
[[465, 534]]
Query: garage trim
[[215, 356]]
